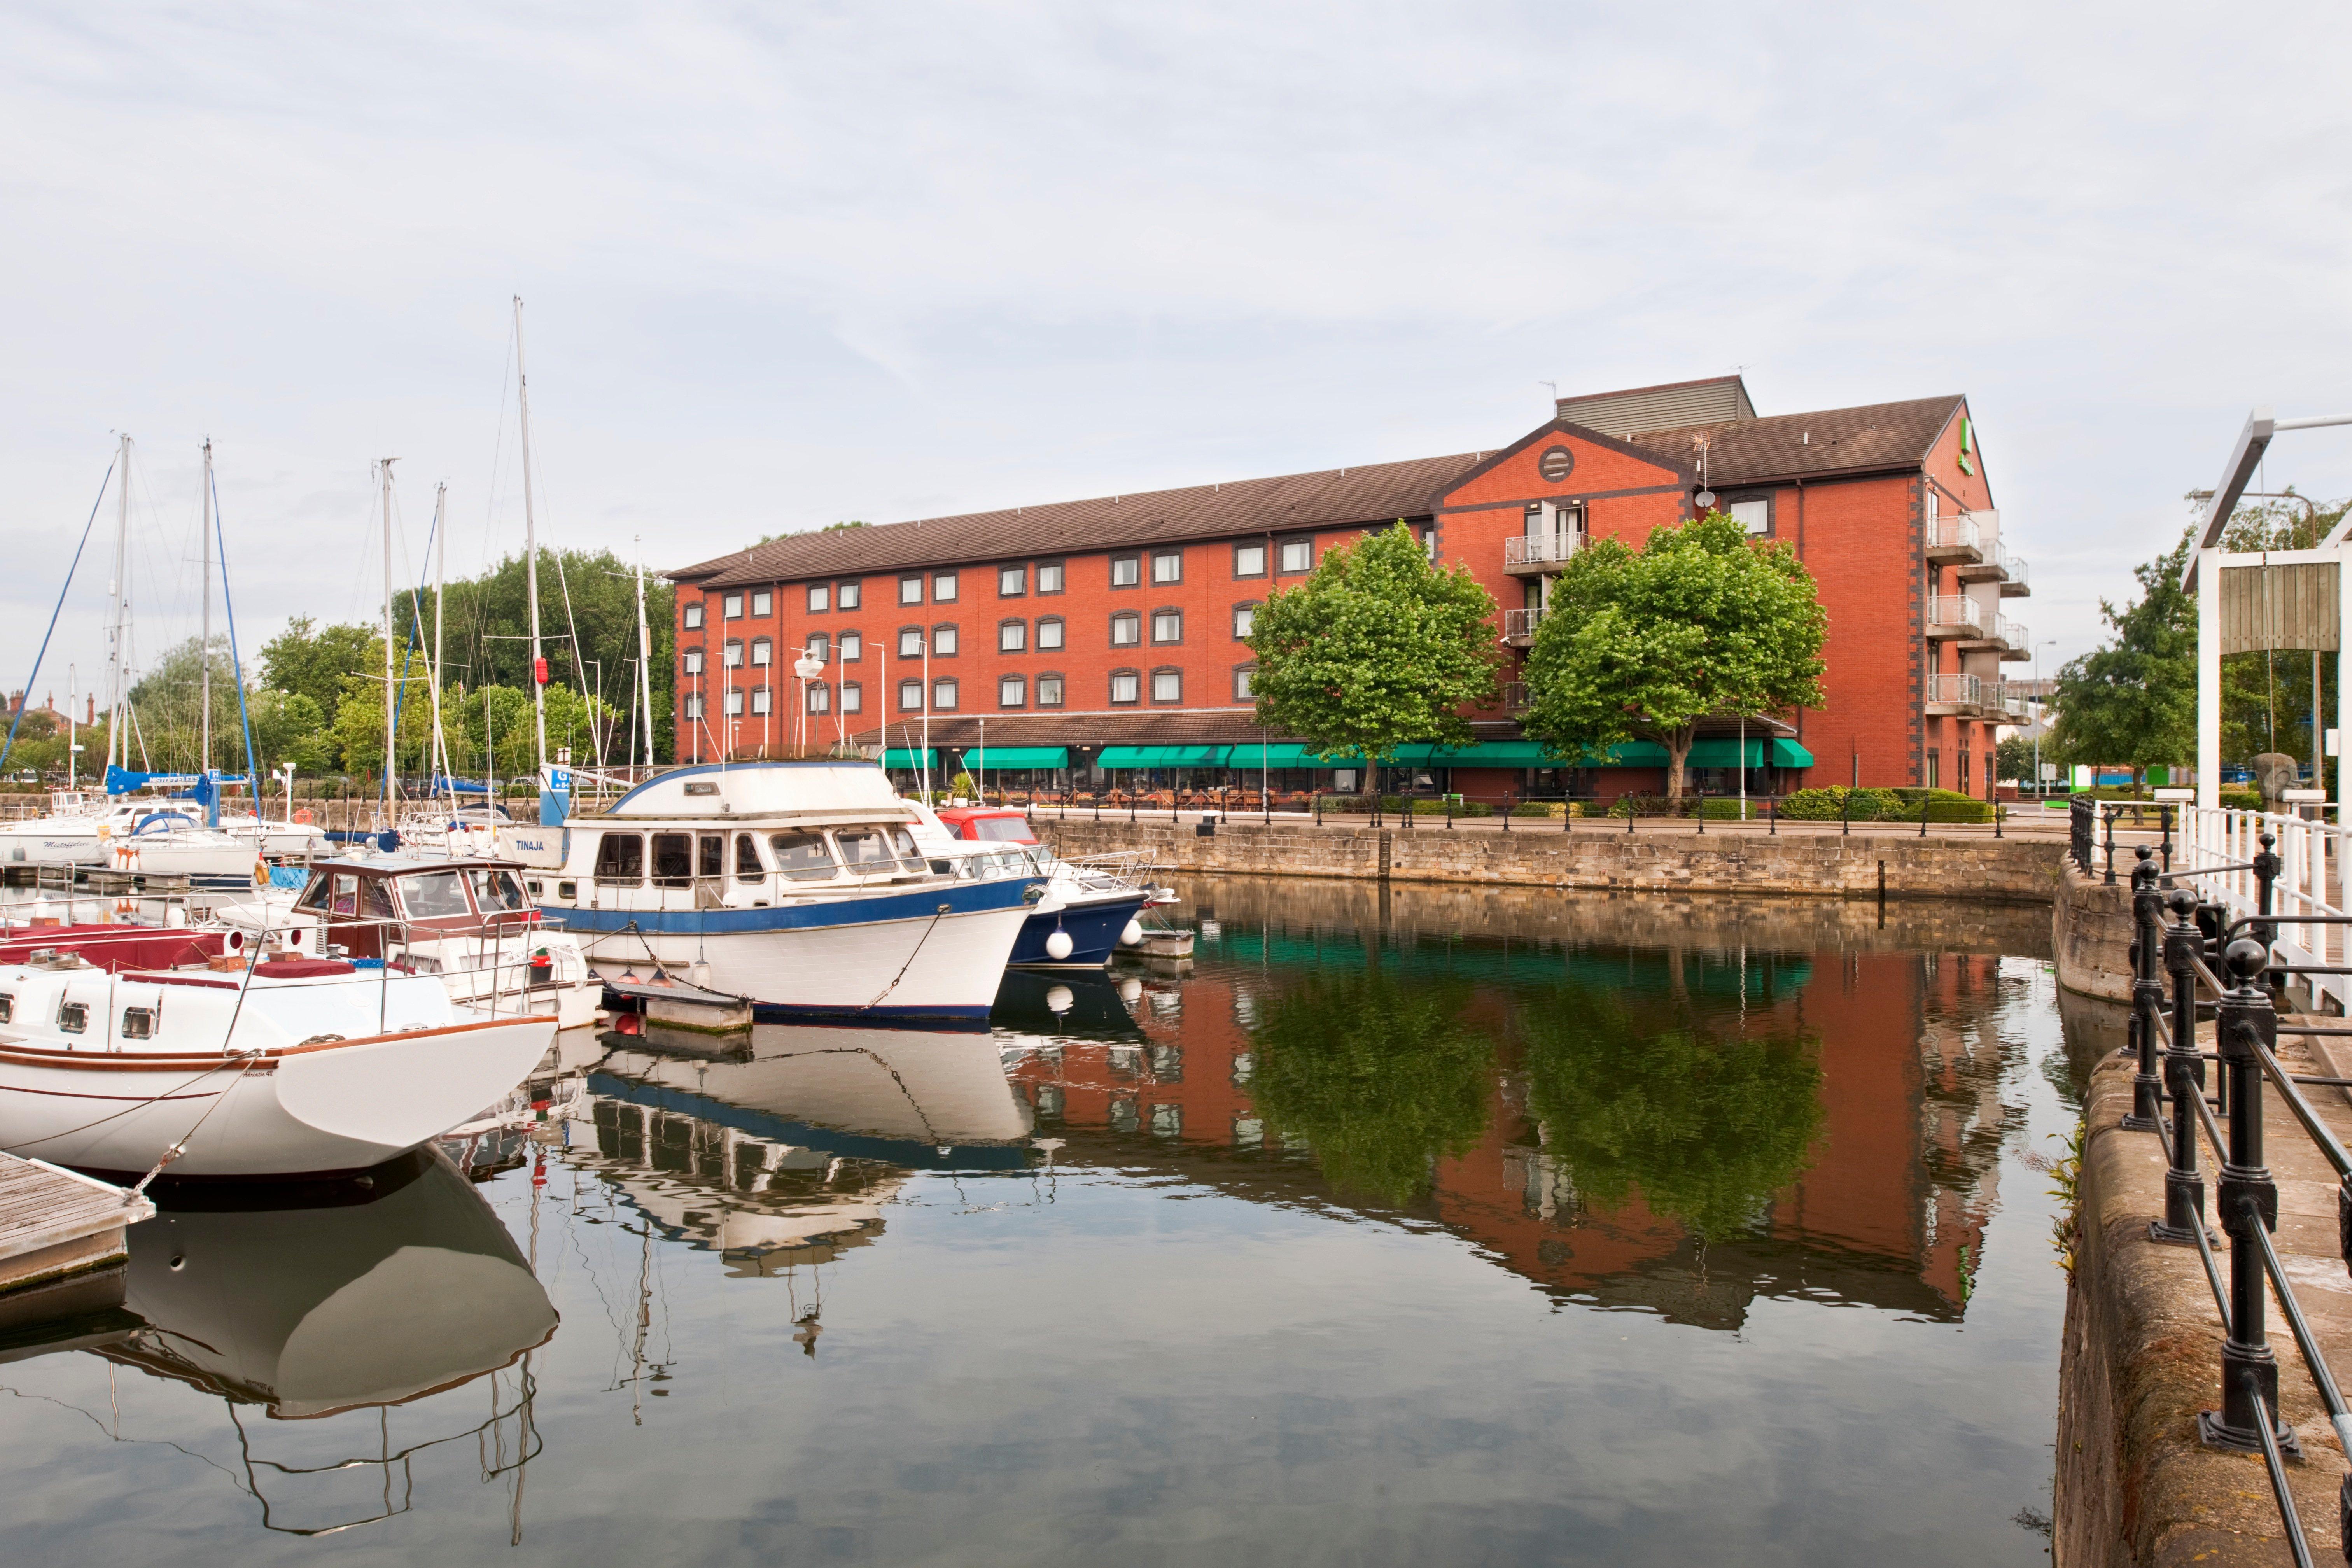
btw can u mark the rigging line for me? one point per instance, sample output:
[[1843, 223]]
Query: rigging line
[[30, 681], [235, 664]]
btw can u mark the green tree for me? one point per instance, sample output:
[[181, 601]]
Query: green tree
[[1701, 623], [1379, 1078], [1707, 1127], [312, 659], [503, 713], [2013, 759], [2133, 702], [1377, 648]]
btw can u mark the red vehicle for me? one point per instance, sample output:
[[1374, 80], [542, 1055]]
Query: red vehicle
[[988, 824]]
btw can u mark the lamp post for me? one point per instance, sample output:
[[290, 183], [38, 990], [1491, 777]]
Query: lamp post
[[808, 666]]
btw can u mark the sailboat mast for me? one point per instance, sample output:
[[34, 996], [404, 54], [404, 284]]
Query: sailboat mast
[[204, 646], [120, 588], [645, 654], [389, 754], [530, 538], [440, 561]]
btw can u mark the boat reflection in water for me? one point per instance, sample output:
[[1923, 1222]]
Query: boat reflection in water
[[332, 1306], [782, 1149]]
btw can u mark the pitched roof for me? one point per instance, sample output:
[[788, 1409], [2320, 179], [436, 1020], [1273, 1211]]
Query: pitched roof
[[1803, 446], [1376, 492]]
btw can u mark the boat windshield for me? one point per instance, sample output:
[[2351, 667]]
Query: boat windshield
[[877, 848], [434, 895], [497, 890], [1002, 829], [801, 854]]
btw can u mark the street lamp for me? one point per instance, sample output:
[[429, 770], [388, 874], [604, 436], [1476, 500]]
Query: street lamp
[[808, 666]]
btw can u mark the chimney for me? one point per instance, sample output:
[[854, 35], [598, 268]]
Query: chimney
[[92, 718]]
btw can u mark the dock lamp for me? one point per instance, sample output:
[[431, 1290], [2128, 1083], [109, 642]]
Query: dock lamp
[[808, 666]]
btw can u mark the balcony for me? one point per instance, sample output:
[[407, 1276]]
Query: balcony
[[1515, 697], [1526, 554], [1954, 616], [1991, 565], [2008, 707], [1520, 626], [1954, 540], [1955, 695], [2016, 642], [2013, 584]]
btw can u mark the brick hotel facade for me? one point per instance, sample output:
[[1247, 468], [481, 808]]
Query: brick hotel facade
[[1106, 633]]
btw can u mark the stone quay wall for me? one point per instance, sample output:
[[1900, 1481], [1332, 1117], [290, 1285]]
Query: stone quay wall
[[1902, 866]]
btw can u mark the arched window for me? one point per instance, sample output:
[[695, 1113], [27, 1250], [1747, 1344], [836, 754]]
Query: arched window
[[1125, 629], [1049, 634], [1012, 636], [1167, 626], [734, 653], [1125, 685], [943, 640], [1049, 689], [763, 653], [1011, 692], [1167, 685]]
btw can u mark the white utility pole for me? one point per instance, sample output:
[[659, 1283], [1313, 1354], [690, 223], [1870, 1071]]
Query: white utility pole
[[390, 755], [205, 720]]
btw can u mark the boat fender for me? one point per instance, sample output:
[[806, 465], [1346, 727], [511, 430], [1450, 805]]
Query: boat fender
[[1132, 935], [261, 872], [1059, 946], [1060, 999]]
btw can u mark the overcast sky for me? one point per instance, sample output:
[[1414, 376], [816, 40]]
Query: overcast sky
[[789, 264]]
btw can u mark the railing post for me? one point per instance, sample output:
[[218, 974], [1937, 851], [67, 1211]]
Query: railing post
[[2111, 849], [2184, 1078], [1772, 815], [2246, 1197], [1507, 804], [2163, 817], [1567, 810], [2148, 996], [1927, 799], [1845, 814]]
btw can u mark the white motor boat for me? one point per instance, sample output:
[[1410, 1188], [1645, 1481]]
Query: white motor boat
[[467, 921], [84, 829], [295, 1067], [798, 884], [1091, 906]]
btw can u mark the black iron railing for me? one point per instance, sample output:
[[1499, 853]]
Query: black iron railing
[[2233, 960]]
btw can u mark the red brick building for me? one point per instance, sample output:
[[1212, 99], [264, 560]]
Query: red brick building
[[1107, 633]]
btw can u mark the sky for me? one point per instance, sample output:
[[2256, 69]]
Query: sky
[[788, 265]]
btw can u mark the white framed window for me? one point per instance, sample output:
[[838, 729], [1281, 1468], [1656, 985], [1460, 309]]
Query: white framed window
[[820, 696], [1298, 555], [1049, 576], [1125, 685], [943, 641], [1249, 560], [1126, 570], [1012, 582], [1242, 682], [1125, 629], [1012, 636], [1245, 619], [763, 602], [910, 590], [1011, 692], [1049, 634], [853, 697], [693, 704], [911, 642], [732, 654], [762, 701], [1167, 626], [1755, 516], [732, 606], [694, 616], [853, 647], [693, 663], [734, 701], [819, 598], [819, 646], [943, 587], [763, 653], [850, 595], [1049, 691], [943, 696], [910, 696], [1167, 686], [1168, 566]]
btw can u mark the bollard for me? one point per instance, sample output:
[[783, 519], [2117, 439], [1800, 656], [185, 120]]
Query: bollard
[[1316, 794], [1772, 816], [1631, 812], [2247, 1201], [2184, 1078], [1701, 807], [1996, 818], [1846, 815], [1927, 799], [1449, 811], [1506, 811], [1567, 810], [2148, 996]]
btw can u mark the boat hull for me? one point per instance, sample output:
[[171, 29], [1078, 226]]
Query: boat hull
[[324, 1108], [1093, 929]]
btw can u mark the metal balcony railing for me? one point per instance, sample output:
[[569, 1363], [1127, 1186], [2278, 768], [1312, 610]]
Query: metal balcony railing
[[2012, 633], [1955, 692], [1955, 538], [1539, 550], [1954, 614], [2013, 583], [1519, 625], [1515, 697]]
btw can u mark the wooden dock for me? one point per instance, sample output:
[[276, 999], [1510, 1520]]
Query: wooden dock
[[55, 1224]]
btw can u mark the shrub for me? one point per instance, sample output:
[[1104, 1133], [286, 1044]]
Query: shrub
[[1942, 805], [1830, 804], [1727, 809]]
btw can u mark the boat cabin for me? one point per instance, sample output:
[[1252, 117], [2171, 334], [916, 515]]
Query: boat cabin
[[358, 901], [987, 824]]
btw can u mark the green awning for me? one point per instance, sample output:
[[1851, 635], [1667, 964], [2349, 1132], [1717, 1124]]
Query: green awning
[[1723, 751], [1483, 754], [1162, 757], [899, 757], [1283, 754], [1789, 754], [1631, 755], [994, 757]]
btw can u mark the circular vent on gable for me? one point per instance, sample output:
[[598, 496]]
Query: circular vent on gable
[[1556, 464]]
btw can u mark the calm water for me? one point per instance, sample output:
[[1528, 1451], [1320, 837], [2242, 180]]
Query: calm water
[[1442, 1228]]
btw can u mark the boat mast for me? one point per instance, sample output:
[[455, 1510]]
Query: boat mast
[[440, 561], [389, 755], [645, 654], [120, 589], [530, 540], [204, 725]]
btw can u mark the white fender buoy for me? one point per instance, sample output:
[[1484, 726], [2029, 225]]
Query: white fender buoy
[[175, 917], [1132, 935], [1130, 991], [1059, 946], [1059, 999], [699, 973]]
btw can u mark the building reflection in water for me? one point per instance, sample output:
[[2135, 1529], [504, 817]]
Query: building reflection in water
[[1679, 1127]]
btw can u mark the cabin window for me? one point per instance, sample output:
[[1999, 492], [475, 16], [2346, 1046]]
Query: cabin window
[[496, 891], [314, 897], [673, 859], [711, 857], [802, 855], [747, 858], [347, 894], [7, 1006], [567, 890], [434, 895], [73, 1017], [1002, 830], [621, 859], [375, 898], [869, 850], [138, 1023]]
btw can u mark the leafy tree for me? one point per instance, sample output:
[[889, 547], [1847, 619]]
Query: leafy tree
[[2014, 759], [1377, 648], [312, 659], [1707, 1127], [508, 721], [2133, 702], [1380, 1080], [1701, 623]]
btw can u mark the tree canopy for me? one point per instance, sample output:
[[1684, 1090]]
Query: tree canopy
[[1702, 622], [1377, 648], [2133, 701]]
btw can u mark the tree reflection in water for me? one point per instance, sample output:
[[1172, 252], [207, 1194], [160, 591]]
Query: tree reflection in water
[[1708, 1126], [1379, 1079]]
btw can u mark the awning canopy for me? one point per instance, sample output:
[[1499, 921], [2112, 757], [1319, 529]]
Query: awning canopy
[[1284, 754], [994, 757], [1789, 754], [1162, 757], [899, 757], [1724, 752]]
